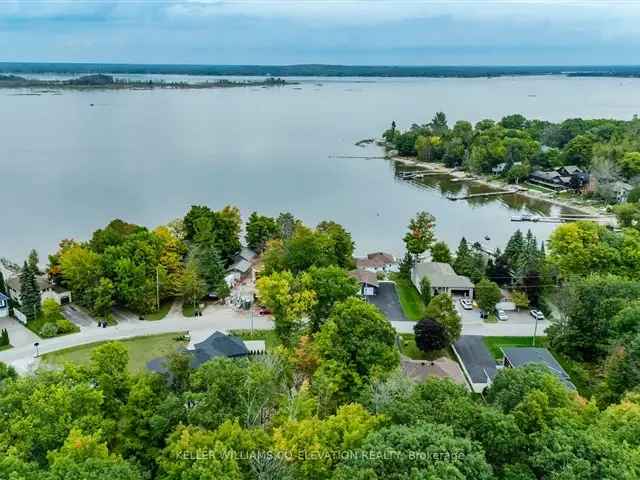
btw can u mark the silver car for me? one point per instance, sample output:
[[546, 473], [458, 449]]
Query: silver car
[[502, 316], [537, 314]]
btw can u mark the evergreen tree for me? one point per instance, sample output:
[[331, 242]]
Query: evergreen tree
[[29, 293], [33, 261], [4, 338], [3, 285], [211, 269]]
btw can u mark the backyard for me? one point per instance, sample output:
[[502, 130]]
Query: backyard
[[409, 348], [141, 351], [410, 300]]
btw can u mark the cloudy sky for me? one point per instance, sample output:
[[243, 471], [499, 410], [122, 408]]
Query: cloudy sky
[[364, 32]]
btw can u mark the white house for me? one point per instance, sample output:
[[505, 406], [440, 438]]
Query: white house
[[243, 266], [621, 191], [368, 282], [442, 279], [378, 262], [4, 305], [61, 295]]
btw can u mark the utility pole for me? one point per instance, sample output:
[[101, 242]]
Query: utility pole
[[158, 287], [535, 331]]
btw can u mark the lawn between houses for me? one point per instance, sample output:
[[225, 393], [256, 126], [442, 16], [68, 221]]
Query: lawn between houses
[[410, 300], [141, 350]]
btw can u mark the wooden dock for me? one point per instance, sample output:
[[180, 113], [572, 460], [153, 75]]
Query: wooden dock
[[605, 219], [484, 194]]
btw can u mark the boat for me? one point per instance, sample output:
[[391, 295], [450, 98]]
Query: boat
[[487, 238]]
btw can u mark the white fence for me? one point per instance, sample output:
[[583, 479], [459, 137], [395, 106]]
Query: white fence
[[21, 317]]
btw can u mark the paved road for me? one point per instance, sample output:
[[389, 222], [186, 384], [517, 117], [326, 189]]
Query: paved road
[[387, 300], [213, 318], [78, 316], [19, 335]]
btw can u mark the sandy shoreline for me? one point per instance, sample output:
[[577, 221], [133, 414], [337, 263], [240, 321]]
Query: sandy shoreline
[[526, 192]]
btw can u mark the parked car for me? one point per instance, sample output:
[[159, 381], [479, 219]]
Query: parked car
[[537, 314], [502, 316], [466, 304], [264, 311]]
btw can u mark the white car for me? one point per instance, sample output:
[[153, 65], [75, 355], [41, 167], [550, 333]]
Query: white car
[[466, 304], [502, 316], [537, 314]]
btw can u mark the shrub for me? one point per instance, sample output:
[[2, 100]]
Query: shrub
[[51, 310], [430, 335], [49, 330], [65, 326], [4, 338]]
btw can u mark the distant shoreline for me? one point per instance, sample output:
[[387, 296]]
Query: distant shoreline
[[317, 70]]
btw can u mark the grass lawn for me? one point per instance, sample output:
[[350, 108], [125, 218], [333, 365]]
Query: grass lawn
[[36, 326], [495, 343], [410, 300], [269, 336], [141, 350], [409, 348], [160, 314]]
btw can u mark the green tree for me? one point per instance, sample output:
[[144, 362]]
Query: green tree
[[288, 301], [360, 341], [579, 151], [630, 164], [342, 242], [421, 233], [193, 286], [440, 253], [622, 370], [430, 335], [287, 224], [33, 261], [103, 295], [211, 268], [331, 285], [442, 310], [3, 285], [259, 230], [29, 293], [520, 299], [487, 295], [108, 369], [425, 290]]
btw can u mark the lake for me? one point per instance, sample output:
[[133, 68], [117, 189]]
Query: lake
[[146, 156]]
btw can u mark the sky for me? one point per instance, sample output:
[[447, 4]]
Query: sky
[[348, 32]]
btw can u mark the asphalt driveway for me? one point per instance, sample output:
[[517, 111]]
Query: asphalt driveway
[[78, 316], [387, 300]]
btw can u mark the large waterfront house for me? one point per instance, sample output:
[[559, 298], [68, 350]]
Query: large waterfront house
[[61, 295], [367, 280], [567, 177], [443, 279], [377, 262], [4, 305]]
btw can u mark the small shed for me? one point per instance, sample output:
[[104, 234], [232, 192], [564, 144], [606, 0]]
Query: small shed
[[368, 282]]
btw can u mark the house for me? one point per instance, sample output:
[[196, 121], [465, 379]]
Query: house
[[478, 365], [4, 305], [242, 266], [519, 356], [61, 295], [378, 262], [550, 179], [621, 191], [368, 282], [217, 345], [442, 279], [499, 169]]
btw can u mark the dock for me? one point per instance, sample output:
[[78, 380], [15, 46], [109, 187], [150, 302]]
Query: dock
[[415, 175], [484, 194], [606, 219], [358, 156]]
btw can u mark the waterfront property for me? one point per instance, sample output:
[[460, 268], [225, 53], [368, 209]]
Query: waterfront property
[[368, 282], [520, 356], [61, 295], [478, 365], [4, 305], [567, 177], [443, 279], [378, 262]]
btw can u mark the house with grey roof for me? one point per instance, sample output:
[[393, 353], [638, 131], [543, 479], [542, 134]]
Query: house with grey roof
[[368, 282], [60, 294], [242, 266], [377, 262], [520, 356], [443, 279]]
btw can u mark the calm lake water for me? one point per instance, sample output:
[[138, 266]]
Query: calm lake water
[[68, 168]]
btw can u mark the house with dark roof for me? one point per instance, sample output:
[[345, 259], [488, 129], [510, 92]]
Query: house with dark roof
[[215, 346], [519, 356], [4, 305], [443, 279], [368, 282], [477, 363], [565, 177]]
